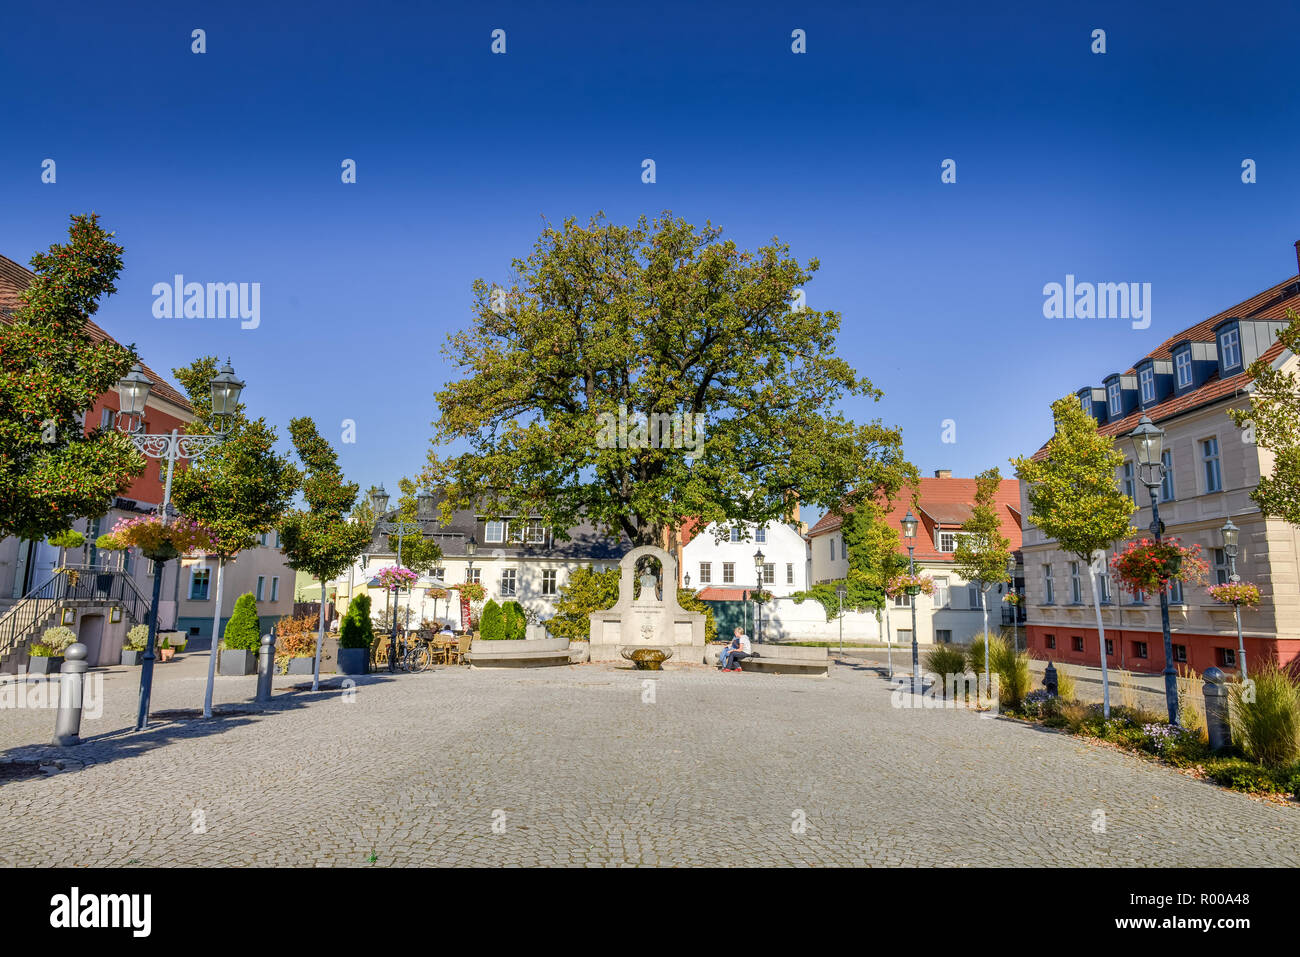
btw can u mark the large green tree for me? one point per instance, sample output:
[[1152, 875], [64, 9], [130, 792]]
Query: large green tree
[[983, 552], [874, 559], [605, 323], [1274, 419], [325, 538], [239, 489], [1074, 498], [419, 553], [51, 372]]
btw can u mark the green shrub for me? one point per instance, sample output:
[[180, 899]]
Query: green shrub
[[68, 539], [1268, 728], [242, 631], [975, 652], [136, 638], [945, 660], [57, 639], [1065, 687], [356, 630], [1288, 779], [1241, 775], [1012, 669], [492, 625], [38, 650], [514, 621]]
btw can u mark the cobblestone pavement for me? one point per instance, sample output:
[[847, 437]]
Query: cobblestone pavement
[[593, 765]]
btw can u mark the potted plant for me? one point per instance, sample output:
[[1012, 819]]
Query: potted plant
[[165, 650], [355, 636], [46, 656], [241, 642], [295, 645], [134, 644]]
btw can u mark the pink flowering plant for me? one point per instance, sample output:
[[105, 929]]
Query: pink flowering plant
[[911, 584], [1014, 599], [1235, 593], [158, 540], [396, 577], [1149, 566]]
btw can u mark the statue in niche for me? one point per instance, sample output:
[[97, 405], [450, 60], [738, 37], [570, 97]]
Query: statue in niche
[[649, 585]]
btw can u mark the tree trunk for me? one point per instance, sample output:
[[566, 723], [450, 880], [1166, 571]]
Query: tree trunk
[[216, 639], [320, 640]]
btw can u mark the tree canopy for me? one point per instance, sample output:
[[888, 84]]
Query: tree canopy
[[982, 554], [1274, 416], [322, 540], [635, 375], [51, 373]]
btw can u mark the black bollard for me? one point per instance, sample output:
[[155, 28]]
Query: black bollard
[[1217, 728], [1049, 679]]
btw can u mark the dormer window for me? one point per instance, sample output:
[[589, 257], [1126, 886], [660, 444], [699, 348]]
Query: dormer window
[[1183, 368], [1114, 398], [1147, 381], [1229, 349]]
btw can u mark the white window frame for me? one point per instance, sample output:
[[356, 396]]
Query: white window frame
[[550, 583], [275, 588], [1210, 465], [735, 534], [500, 534], [789, 573], [473, 576], [509, 583], [1076, 585], [947, 541], [1049, 585], [769, 573], [1167, 486], [1230, 345], [760, 535], [261, 587], [1127, 474], [1115, 398], [942, 594], [207, 582], [1183, 368], [706, 573], [1147, 382], [728, 573]]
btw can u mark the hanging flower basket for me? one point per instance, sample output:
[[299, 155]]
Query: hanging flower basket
[[73, 574], [396, 577], [472, 591], [1235, 593], [1149, 566], [911, 584], [1014, 599], [760, 596], [158, 541]]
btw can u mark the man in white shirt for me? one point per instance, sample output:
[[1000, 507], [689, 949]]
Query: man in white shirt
[[740, 648]]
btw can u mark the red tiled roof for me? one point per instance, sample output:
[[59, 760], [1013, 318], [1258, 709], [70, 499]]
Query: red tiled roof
[[949, 497], [723, 594], [15, 278]]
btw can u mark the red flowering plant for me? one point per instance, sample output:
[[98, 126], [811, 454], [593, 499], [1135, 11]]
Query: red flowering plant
[[911, 584], [158, 540], [1014, 599], [471, 591], [1235, 593], [1149, 566], [396, 577]]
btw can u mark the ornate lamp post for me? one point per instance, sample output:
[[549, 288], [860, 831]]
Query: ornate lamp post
[[1148, 442], [1012, 564], [840, 593], [133, 394], [1230, 533], [759, 561], [909, 533], [471, 547], [423, 510]]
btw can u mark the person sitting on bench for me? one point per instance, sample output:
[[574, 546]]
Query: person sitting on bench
[[740, 649]]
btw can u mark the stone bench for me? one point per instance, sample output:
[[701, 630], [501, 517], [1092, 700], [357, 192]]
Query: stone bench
[[530, 652], [779, 659]]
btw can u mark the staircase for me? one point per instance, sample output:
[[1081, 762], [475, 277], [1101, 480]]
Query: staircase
[[40, 608]]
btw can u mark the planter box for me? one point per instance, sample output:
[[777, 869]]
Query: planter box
[[301, 666], [131, 658], [237, 662], [354, 661], [44, 666]]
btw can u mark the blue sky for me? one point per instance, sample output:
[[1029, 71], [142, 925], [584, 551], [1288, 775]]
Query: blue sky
[[1122, 167]]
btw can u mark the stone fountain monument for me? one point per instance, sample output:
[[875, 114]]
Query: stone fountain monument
[[651, 620]]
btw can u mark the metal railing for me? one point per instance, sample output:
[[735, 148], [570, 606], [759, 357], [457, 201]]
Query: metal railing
[[90, 585], [1016, 615]]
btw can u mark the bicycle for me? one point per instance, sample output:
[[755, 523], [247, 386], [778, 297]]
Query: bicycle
[[414, 656]]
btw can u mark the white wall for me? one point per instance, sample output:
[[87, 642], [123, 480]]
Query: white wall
[[784, 546]]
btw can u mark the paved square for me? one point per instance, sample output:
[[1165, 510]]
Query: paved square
[[574, 766]]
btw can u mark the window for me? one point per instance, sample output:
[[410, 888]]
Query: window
[[735, 534], [1147, 380], [1076, 585], [1210, 460], [1180, 652], [199, 578], [508, 582], [941, 597], [832, 549], [1049, 594], [1167, 483], [1050, 641], [1175, 592], [947, 542], [106, 418], [789, 573], [548, 583], [1220, 567], [1227, 657], [903, 636], [1139, 597], [1183, 368], [973, 596], [1103, 592], [769, 574], [706, 573], [275, 588], [760, 534], [943, 636], [264, 538], [533, 532], [1129, 488], [1110, 647], [277, 540], [1139, 649], [903, 600], [1076, 642], [261, 586], [728, 573], [494, 532], [1229, 350], [1114, 397], [474, 575]]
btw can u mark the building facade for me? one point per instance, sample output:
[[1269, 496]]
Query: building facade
[[1186, 386]]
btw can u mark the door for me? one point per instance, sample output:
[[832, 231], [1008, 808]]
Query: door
[[91, 634]]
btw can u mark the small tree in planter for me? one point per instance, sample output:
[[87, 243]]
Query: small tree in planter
[[295, 644], [356, 633], [133, 644], [514, 620], [46, 656], [492, 627], [242, 639], [982, 553]]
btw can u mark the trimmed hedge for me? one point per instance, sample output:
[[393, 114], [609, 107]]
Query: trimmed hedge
[[242, 631]]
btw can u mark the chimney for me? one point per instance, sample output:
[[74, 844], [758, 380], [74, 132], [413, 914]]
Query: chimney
[[943, 473], [1297, 252]]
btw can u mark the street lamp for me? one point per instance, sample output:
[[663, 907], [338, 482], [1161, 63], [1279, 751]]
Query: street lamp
[[471, 547], [379, 502], [1230, 534], [759, 561], [1012, 564], [1148, 445], [133, 395], [687, 579], [840, 593], [909, 532]]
